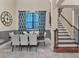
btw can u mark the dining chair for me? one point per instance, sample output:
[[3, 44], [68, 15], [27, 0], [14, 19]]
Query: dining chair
[[24, 40], [33, 40], [37, 32], [14, 41]]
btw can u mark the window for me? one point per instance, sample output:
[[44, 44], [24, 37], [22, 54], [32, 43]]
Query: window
[[29, 20]]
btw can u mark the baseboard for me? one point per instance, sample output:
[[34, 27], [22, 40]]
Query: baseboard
[[5, 44]]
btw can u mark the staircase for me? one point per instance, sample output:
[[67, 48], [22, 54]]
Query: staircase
[[64, 41]]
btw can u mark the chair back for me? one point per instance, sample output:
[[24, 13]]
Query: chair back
[[44, 34], [24, 39], [25, 33], [11, 33], [33, 39], [37, 32], [15, 40], [31, 32]]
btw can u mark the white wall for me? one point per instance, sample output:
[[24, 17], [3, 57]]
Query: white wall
[[34, 5], [8, 5], [76, 14], [13, 6], [70, 2]]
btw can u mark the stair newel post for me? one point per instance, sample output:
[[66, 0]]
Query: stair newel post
[[55, 38]]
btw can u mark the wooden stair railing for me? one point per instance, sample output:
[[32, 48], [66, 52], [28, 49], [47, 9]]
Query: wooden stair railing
[[69, 22], [59, 14], [55, 38]]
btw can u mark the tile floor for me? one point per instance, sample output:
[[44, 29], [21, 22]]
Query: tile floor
[[42, 52]]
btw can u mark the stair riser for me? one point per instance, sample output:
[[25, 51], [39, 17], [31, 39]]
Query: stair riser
[[61, 27], [62, 31], [63, 34], [67, 45], [64, 37], [59, 22], [66, 41]]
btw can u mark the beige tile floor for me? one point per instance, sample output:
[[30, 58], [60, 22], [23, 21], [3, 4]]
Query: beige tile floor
[[42, 52]]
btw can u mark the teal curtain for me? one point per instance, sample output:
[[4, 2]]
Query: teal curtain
[[36, 21], [29, 20]]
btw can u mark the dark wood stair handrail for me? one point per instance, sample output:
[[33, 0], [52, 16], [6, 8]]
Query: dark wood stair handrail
[[69, 23]]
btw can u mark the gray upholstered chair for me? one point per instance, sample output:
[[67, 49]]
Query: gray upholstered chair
[[24, 40], [33, 40], [14, 40], [45, 35]]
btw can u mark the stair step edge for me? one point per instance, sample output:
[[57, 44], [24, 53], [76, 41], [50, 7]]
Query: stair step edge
[[63, 35], [67, 42], [65, 39]]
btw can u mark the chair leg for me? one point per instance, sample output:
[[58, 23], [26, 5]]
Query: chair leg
[[27, 48], [44, 43], [12, 48], [37, 44], [36, 48], [21, 48], [30, 48]]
